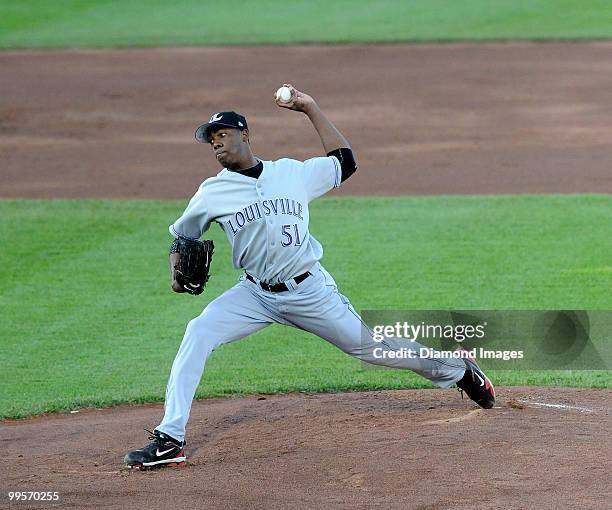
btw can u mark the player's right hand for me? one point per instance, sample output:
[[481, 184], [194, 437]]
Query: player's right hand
[[300, 102]]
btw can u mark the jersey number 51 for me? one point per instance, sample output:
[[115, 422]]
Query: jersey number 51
[[291, 239]]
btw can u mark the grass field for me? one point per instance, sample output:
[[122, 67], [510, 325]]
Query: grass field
[[103, 23], [88, 318]]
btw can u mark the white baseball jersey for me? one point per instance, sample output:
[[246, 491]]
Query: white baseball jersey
[[265, 219]]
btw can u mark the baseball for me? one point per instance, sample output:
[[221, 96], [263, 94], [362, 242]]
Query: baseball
[[284, 94]]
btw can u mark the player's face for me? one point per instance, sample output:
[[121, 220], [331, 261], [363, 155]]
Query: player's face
[[227, 144]]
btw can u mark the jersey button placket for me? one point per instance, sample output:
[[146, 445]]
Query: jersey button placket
[[269, 224]]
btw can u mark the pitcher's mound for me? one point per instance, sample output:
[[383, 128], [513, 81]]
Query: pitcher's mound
[[394, 449]]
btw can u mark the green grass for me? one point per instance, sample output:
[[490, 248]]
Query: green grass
[[103, 23], [87, 311]]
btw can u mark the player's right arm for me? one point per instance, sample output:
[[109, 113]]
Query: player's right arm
[[334, 142], [331, 138]]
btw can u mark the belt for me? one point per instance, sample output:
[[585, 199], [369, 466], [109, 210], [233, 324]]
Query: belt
[[278, 287]]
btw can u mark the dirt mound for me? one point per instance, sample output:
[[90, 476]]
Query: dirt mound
[[538, 448]]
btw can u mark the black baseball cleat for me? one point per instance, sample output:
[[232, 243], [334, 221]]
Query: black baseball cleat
[[162, 450], [477, 385]]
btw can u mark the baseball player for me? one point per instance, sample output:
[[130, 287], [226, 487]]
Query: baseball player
[[263, 208]]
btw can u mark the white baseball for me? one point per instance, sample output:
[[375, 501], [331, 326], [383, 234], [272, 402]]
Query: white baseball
[[284, 94]]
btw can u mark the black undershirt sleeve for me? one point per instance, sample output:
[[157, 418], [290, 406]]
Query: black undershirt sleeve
[[347, 161]]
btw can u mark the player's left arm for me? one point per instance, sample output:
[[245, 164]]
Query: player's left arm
[[334, 142], [194, 221]]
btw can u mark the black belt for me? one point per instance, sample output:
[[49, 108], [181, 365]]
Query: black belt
[[278, 287]]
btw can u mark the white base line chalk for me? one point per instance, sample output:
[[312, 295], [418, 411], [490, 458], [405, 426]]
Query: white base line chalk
[[557, 406]]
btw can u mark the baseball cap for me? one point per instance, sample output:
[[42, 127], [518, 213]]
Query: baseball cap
[[222, 119]]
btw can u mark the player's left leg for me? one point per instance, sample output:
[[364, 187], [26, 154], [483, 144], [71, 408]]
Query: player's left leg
[[235, 314]]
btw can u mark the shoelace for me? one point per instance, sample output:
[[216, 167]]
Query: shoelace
[[160, 441], [152, 436]]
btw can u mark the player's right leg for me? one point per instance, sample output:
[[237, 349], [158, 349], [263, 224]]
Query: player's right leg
[[317, 306], [232, 316]]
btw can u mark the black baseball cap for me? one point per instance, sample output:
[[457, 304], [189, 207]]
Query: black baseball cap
[[221, 119]]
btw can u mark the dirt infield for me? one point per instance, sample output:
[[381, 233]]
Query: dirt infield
[[423, 119], [387, 449]]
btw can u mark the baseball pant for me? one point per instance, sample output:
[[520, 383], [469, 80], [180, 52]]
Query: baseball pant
[[315, 305]]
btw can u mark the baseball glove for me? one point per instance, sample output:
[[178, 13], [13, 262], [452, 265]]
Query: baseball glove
[[192, 270]]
